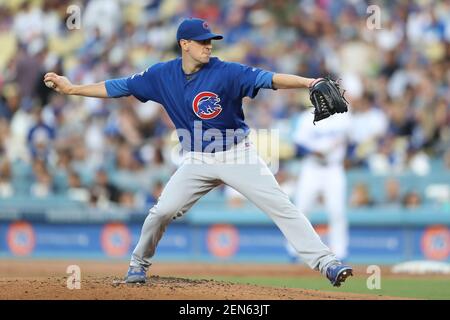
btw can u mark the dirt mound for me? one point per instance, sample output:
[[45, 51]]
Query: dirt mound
[[47, 280], [156, 288]]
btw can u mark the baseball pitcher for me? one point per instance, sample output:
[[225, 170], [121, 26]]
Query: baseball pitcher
[[203, 97]]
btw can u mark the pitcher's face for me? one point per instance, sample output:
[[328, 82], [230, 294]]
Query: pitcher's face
[[199, 51]]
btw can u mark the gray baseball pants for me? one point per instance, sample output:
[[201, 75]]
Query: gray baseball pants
[[242, 169]]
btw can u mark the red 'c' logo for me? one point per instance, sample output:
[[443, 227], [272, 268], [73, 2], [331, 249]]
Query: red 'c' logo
[[206, 105]]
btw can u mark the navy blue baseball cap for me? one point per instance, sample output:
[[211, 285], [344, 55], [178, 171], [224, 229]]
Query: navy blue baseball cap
[[196, 29]]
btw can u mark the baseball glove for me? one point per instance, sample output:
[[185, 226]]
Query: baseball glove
[[326, 96]]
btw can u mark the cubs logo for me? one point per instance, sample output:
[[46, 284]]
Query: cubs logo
[[205, 105], [205, 25]]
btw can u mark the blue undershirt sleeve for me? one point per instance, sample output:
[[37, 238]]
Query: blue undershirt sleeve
[[117, 88], [264, 80]]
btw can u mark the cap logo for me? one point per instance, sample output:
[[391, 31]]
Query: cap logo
[[205, 25]]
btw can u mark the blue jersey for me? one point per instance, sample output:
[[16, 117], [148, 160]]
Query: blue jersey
[[206, 106]]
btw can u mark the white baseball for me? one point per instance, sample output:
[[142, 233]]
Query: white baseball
[[50, 84]]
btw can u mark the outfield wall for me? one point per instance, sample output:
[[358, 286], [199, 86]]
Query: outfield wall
[[208, 234]]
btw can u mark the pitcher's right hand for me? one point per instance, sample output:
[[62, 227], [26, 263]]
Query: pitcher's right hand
[[61, 84]]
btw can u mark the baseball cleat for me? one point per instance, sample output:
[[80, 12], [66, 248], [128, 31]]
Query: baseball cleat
[[337, 273], [136, 275]]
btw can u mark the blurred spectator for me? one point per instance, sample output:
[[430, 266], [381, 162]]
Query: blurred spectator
[[159, 169], [392, 190], [20, 125], [9, 102], [401, 122], [53, 111], [126, 159], [360, 196], [127, 200], [154, 194], [40, 137], [6, 188], [103, 190], [42, 187], [412, 200], [110, 22], [76, 191], [28, 22], [368, 125], [95, 140], [129, 125], [81, 162], [28, 68], [60, 167]]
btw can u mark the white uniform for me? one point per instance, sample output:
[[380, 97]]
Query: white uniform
[[325, 175]]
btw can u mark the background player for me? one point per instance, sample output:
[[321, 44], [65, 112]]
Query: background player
[[203, 97], [323, 147]]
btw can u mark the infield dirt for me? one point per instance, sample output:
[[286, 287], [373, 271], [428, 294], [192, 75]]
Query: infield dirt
[[47, 280]]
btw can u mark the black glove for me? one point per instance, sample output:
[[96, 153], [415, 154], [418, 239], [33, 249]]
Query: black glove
[[326, 96]]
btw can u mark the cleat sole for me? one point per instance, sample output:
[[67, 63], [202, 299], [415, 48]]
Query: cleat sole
[[342, 277]]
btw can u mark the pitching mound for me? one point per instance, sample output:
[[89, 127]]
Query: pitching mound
[[102, 280]]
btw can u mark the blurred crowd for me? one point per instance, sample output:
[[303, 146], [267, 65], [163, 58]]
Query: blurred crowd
[[109, 152]]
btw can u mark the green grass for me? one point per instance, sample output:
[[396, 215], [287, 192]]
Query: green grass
[[414, 287]]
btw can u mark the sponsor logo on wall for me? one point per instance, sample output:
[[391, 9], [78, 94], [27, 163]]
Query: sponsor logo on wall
[[115, 239], [435, 242], [223, 240], [21, 238]]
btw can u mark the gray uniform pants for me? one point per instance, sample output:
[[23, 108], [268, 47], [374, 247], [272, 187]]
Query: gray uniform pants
[[242, 169]]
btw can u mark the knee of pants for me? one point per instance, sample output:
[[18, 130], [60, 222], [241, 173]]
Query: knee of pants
[[165, 212], [286, 210]]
